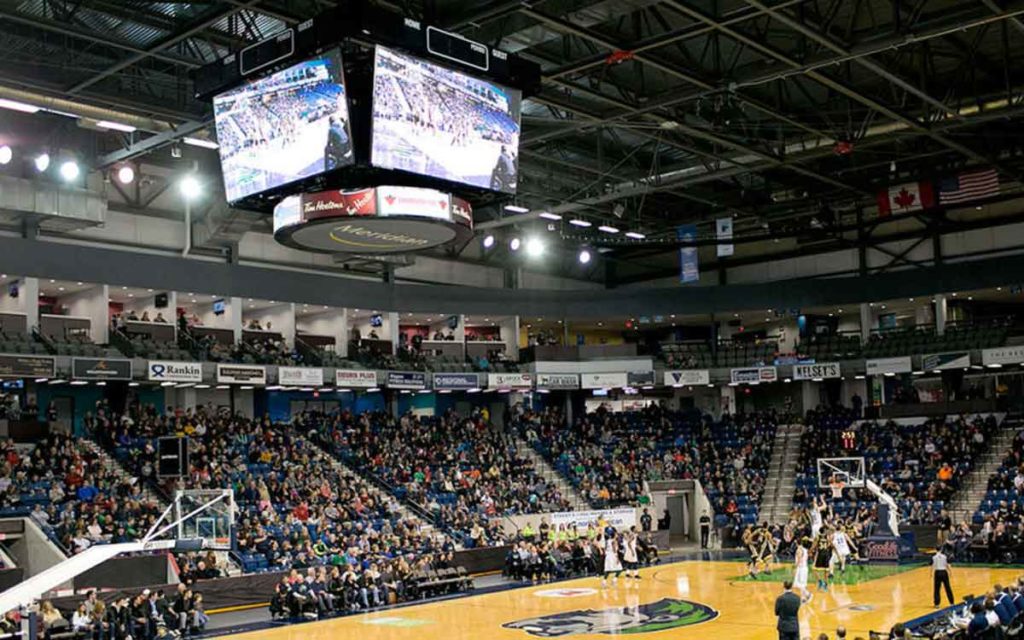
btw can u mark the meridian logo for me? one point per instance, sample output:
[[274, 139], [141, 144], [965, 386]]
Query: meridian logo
[[392, 239]]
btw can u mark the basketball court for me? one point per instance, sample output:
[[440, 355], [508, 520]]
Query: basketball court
[[692, 599]]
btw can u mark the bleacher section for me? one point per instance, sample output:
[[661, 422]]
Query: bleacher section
[[294, 509], [1004, 498], [902, 342], [464, 470], [608, 457]]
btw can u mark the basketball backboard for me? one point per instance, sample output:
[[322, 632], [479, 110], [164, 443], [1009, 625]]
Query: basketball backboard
[[849, 471], [213, 524]]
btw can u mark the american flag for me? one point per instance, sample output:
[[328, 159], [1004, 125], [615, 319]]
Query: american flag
[[972, 185]]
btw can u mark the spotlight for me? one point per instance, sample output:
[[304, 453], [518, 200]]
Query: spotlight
[[126, 175], [488, 241], [5, 154], [69, 170], [534, 247], [42, 162], [513, 244], [190, 187], [584, 256]]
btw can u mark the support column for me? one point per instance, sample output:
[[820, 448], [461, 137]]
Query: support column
[[28, 290], [866, 322], [341, 333], [233, 311], [392, 331], [940, 314]]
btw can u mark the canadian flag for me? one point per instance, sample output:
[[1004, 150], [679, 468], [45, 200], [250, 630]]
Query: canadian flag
[[902, 198]]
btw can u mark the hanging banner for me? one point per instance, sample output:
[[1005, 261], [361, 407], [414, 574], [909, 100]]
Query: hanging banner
[[687, 377], [689, 260], [100, 369], [300, 377], [163, 371], [940, 361], [604, 380], [723, 231], [640, 379], [413, 380], [622, 518], [510, 381], [881, 366], [753, 375], [355, 378], [817, 371], [1002, 355], [241, 374], [557, 381], [455, 381]]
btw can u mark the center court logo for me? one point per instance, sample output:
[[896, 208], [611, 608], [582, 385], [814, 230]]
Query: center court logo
[[665, 614]]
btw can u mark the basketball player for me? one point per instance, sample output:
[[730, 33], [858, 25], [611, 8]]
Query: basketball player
[[612, 564], [749, 539], [629, 559], [817, 507], [801, 574], [840, 550], [822, 554]]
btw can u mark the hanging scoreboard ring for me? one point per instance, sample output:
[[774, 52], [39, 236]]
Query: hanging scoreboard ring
[[375, 220]]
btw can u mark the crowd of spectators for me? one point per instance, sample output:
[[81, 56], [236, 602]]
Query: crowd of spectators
[[67, 490], [610, 456], [295, 508], [359, 586], [465, 470], [147, 615], [921, 465]]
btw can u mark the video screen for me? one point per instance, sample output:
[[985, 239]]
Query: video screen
[[288, 126], [444, 124]]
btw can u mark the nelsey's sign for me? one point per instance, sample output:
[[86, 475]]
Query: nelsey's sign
[[816, 371]]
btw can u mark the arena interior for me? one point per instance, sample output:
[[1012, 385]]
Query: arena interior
[[447, 320]]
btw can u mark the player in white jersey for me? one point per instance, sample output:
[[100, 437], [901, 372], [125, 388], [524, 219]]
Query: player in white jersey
[[840, 550], [815, 514], [611, 559], [629, 560], [802, 572]]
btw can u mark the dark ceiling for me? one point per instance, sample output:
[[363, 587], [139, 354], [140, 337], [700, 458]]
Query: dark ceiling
[[652, 114]]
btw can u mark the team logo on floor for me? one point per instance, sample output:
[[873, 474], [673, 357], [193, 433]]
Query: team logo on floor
[[667, 613], [565, 593]]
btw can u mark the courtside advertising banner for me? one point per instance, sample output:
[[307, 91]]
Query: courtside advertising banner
[[940, 361], [604, 380], [687, 377], [241, 374], [510, 380], [622, 518], [753, 375], [880, 366], [300, 377], [355, 378], [556, 381], [163, 371], [816, 371], [1002, 355]]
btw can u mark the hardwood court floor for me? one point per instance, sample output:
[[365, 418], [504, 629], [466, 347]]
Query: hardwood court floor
[[664, 603]]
